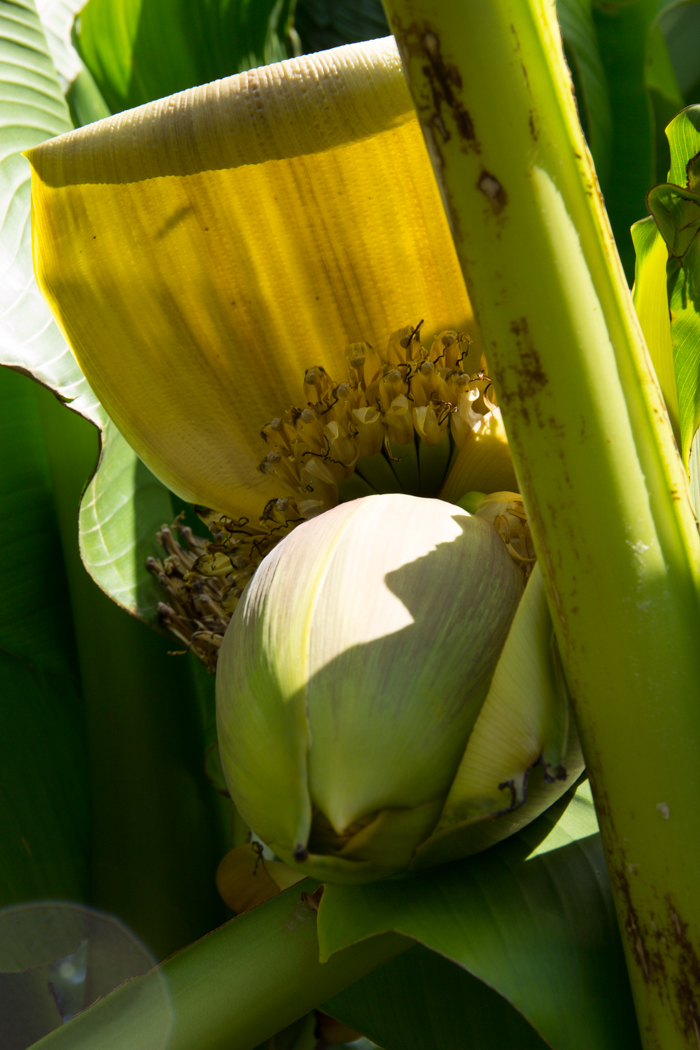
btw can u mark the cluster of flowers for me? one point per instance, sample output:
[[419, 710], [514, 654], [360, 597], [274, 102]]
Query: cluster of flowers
[[411, 420]]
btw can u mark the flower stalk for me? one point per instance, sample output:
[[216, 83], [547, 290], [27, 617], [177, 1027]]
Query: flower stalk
[[232, 989], [604, 486]]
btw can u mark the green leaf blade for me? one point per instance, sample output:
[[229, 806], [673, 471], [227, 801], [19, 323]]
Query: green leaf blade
[[651, 303], [322, 24], [57, 20], [623, 30], [583, 53], [423, 1000], [532, 918], [43, 750], [140, 50], [82, 95], [684, 301], [675, 207], [122, 508]]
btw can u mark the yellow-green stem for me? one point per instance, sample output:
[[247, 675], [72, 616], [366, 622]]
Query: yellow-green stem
[[594, 453], [232, 989]]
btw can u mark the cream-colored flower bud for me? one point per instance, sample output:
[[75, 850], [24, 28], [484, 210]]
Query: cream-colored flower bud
[[351, 677]]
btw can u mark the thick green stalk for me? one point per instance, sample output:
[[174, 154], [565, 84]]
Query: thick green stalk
[[594, 453], [231, 990]]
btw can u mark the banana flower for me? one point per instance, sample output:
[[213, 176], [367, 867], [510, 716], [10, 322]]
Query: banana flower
[[245, 272]]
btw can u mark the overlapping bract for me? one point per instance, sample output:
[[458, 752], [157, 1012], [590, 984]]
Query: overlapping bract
[[352, 677], [203, 252]]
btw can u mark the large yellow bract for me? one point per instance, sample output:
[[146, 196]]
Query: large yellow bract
[[202, 252]]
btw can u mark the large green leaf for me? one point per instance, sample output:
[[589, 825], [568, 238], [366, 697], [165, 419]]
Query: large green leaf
[[139, 50], [158, 828], [423, 1000], [57, 17], [43, 751], [623, 28], [680, 25], [533, 918], [125, 505], [32, 108], [583, 56], [326, 23]]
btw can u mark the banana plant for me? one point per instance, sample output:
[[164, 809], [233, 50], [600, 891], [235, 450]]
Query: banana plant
[[206, 280]]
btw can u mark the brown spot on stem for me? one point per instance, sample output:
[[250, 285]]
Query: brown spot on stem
[[533, 125], [492, 188], [445, 81], [659, 941], [440, 106], [527, 377]]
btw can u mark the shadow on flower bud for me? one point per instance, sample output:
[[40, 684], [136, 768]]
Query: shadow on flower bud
[[352, 674]]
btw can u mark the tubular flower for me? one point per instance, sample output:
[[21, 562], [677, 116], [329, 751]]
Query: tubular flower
[[356, 673]]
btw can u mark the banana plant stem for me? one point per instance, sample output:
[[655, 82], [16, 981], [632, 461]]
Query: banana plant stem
[[231, 990], [594, 453]]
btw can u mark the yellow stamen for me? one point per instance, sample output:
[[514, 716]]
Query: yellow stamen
[[415, 420], [388, 404]]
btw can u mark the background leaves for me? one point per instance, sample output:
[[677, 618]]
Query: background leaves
[[139, 50], [33, 109], [104, 797], [44, 810]]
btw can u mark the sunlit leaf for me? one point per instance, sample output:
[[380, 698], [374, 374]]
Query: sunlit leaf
[[651, 304], [82, 94], [32, 108], [57, 18], [676, 209]]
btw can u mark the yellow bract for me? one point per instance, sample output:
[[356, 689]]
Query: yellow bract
[[203, 251]]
